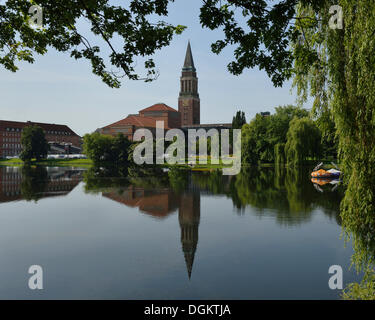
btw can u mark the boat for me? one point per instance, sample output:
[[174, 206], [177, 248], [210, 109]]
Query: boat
[[325, 174]]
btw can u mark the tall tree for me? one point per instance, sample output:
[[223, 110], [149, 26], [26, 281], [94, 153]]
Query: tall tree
[[280, 121], [303, 141], [34, 143], [268, 131], [341, 80], [238, 120]]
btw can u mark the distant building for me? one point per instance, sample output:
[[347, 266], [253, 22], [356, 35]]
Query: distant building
[[265, 114], [10, 136], [187, 116]]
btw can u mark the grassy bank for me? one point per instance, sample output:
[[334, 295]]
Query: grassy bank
[[85, 163], [199, 166]]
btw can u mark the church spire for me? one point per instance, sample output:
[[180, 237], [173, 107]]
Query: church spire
[[189, 62]]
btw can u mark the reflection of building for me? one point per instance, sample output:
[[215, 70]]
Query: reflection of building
[[162, 202], [10, 135], [56, 185], [158, 203], [189, 217], [10, 184]]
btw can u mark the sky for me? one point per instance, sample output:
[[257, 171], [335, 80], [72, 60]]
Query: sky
[[58, 89]]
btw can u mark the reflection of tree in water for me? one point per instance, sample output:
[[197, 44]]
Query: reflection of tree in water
[[34, 182], [97, 179], [286, 193], [276, 192], [213, 181], [178, 179]]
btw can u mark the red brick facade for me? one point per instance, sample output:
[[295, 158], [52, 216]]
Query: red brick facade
[[162, 112], [10, 135], [129, 125], [189, 101], [145, 119]]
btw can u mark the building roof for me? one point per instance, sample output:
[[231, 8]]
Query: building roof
[[143, 122], [189, 61], [159, 107], [44, 126], [209, 126]]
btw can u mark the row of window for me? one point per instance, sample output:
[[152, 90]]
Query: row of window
[[63, 133], [11, 139], [14, 129], [13, 145], [11, 134]]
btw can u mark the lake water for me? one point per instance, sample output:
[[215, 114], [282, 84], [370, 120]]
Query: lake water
[[266, 233]]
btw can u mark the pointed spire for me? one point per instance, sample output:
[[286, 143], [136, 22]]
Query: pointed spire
[[189, 62]]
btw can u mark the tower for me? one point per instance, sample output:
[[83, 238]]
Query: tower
[[188, 101]]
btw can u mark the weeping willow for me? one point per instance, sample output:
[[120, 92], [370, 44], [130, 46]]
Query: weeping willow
[[303, 141], [337, 68]]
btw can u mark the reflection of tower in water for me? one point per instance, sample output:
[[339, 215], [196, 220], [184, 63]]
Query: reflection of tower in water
[[189, 217]]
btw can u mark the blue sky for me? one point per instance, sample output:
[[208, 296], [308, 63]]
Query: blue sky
[[59, 89]]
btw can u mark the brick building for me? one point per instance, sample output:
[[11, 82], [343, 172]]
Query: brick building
[[188, 102], [10, 135], [145, 119], [187, 116], [162, 112]]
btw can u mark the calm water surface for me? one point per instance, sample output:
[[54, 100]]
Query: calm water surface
[[264, 234]]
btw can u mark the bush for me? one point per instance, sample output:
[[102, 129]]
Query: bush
[[103, 149]]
